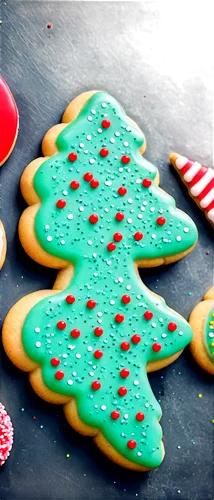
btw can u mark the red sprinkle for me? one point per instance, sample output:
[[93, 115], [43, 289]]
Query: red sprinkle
[[161, 221], [125, 159], [125, 346], [74, 185], [70, 299], [148, 315], [61, 325], [126, 299], [146, 183], [119, 318], [122, 391], [96, 385], [172, 327], [88, 176], [122, 190], [55, 361], [106, 123], [59, 375], [124, 373], [138, 236], [131, 444], [61, 203], [119, 216], [94, 183], [140, 416], [156, 347], [111, 246], [72, 156], [118, 237], [136, 338], [98, 331], [91, 304], [49, 25], [93, 218], [75, 333], [115, 414], [104, 152], [98, 354]]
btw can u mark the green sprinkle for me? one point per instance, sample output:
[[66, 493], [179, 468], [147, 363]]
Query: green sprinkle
[[1, 21], [193, 442], [41, 426], [68, 455], [22, 409], [200, 395], [213, 421], [190, 293]]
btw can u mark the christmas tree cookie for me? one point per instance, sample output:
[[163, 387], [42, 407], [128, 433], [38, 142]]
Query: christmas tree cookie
[[202, 323], [97, 214]]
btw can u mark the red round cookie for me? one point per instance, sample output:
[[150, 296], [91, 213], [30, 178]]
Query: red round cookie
[[6, 435], [9, 121]]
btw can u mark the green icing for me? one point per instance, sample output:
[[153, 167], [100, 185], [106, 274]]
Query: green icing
[[105, 277], [209, 334]]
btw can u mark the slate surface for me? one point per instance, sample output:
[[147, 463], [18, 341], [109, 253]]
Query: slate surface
[[156, 61]]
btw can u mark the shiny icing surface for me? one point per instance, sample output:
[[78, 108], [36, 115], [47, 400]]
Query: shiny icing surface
[[9, 120], [101, 211], [209, 334]]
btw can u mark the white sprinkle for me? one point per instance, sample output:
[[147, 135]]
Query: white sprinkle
[[180, 333], [128, 287], [161, 320], [153, 325], [104, 105], [82, 145], [164, 335], [99, 130], [152, 209], [129, 221], [37, 329], [142, 209], [211, 335], [103, 407], [94, 255], [139, 453], [38, 344], [74, 374], [137, 396], [70, 382], [138, 181], [91, 374], [81, 209], [108, 262], [95, 406], [70, 217], [136, 382], [112, 140], [117, 134], [78, 356], [99, 314], [93, 111], [178, 238], [112, 302], [89, 242], [88, 137], [106, 210], [64, 356], [89, 348], [145, 203], [186, 229], [120, 169], [108, 183], [49, 238], [54, 177], [47, 227], [62, 242], [147, 405], [153, 236], [130, 200], [126, 416], [125, 144], [65, 192], [95, 274], [71, 347], [90, 118], [139, 216], [120, 280], [91, 161]]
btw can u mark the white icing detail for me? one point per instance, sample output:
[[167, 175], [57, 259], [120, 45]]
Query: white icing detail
[[49, 238], [104, 105], [186, 229], [178, 238], [188, 176], [91, 161], [46, 227], [70, 382], [37, 329], [70, 216], [210, 214], [89, 348], [200, 185], [90, 118], [108, 183], [82, 145], [207, 199], [38, 344], [71, 347], [103, 407], [99, 130], [125, 144], [181, 161], [78, 356]]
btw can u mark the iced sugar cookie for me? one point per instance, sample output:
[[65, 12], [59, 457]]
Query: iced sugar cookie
[[9, 121], [6, 435], [202, 323], [3, 245], [97, 214]]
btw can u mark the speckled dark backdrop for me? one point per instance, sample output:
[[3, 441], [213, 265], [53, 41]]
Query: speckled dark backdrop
[[155, 58]]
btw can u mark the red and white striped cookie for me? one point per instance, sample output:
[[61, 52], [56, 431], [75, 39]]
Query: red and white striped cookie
[[199, 180]]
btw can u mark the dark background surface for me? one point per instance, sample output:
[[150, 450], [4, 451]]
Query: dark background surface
[[155, 58]]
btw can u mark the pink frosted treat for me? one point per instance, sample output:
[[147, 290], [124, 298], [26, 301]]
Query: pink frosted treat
[[6, 435]]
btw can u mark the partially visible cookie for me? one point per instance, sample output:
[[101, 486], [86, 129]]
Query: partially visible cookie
[[6, 435], [9, 121], [3, 245], [202, 323]]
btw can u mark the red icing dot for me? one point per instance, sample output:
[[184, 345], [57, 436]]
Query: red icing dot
[[94, 183], [59, 375], [118, 237], [124, 373], [72, 156], [122, 391], [119, 216], [146, 183], [122, 190], [119, 318], [93, 218], [96, 385], [138, 236], [161, 221], [156, 347], [61, 325], [88, 176], [106, 123], [125, 159], [98, 331], [125, 346], [131, 444], [74, 185], [55, 361], [140, 416], [115, 414], [104, 152], [111, 246], [148, 315], [126, 299], [70, 299], [136, 338], [172, 327], [75, 333], [91, 304], [98, 354], [61, 203]]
